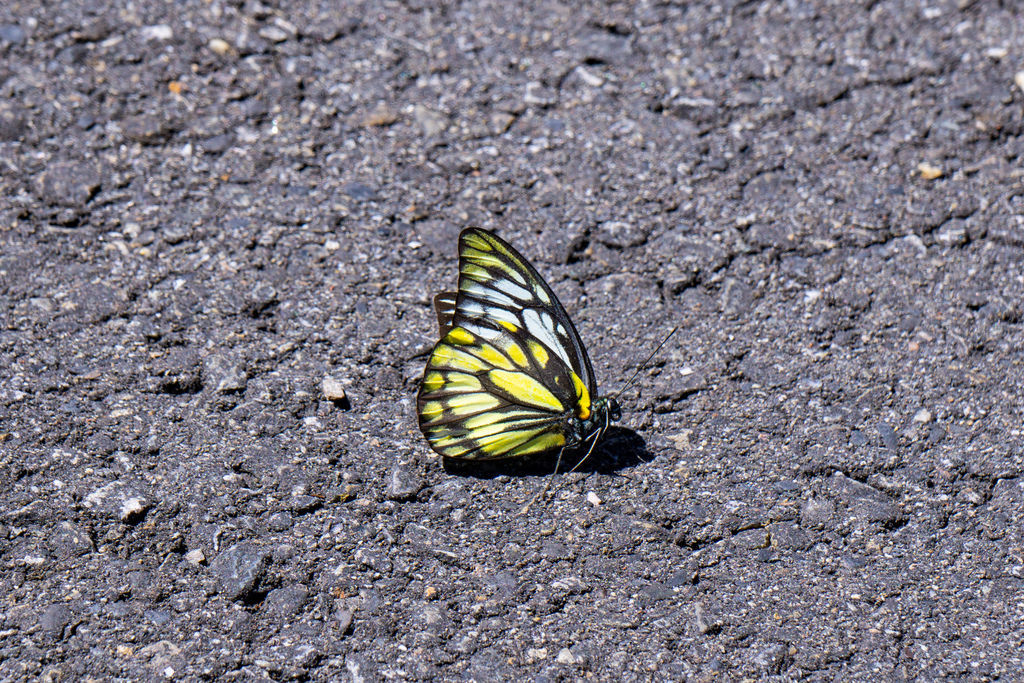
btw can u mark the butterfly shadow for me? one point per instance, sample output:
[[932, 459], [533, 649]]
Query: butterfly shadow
[[620, 448]]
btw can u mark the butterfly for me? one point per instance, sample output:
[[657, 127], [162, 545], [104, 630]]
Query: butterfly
[[510, 376]]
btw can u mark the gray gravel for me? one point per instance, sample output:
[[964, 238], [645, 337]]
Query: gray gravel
[[221, 224]]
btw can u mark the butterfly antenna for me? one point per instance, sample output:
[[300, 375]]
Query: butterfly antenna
[[644, 364]]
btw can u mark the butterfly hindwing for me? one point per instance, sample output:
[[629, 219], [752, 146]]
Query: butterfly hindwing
[[487, 394], [444, 308]]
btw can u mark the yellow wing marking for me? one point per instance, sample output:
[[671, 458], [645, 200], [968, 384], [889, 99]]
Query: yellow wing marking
[[476, 268], [498, 444], [432, 381], [543, 442], [458, 406], [476, 272], [450, 381], [431, 410], [469, 404], [539, 353], [508, 326], [507, 419], [582, 397], [474, 240], [460, 336], [502, 442], [480, 247], [526, 390], [515, 352], [446, 356], [493, 356]]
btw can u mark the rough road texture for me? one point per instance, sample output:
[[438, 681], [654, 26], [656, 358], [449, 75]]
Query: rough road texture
[[222, 223]]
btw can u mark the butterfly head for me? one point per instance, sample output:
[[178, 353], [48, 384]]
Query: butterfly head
[[603, 412]]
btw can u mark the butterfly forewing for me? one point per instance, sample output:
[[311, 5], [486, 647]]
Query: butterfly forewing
[[498, 286]]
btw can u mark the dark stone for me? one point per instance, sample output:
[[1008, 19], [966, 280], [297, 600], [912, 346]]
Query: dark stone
[[603, 47], [865, 502], [403, 484], [177, 372], [286, 601], [217, 143], [657, 591], [553, 550], [239, 570], [789, 536], [12, 34], [148, 129], [888, 434], [280, 521], [69, 184], [771, 658], [359, 191], [54, 620], [145, 585], [751, 539], [224, 373], [70, 540], [158, 617], [13, 124]]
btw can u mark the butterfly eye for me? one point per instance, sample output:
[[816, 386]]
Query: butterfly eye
[[614, 412]]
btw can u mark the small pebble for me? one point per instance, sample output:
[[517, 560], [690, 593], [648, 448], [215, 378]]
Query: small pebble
[[219, 46], [156, 32], [381, 115], [333, 390], [344, 619], [536, 654], [12, 33], [929, 171], [195, 557], [274, 34], [287, 600]]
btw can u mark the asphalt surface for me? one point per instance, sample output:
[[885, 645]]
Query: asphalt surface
[[221, 225]]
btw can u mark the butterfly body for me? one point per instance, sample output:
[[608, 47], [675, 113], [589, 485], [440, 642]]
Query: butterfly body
[[510, 376]]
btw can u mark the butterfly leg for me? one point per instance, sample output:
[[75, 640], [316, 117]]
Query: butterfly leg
[[597, 436]]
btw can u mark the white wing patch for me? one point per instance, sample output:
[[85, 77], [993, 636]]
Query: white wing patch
[[512, 289], [541, 325], [482, 331], [475, 309], [482, 291]]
